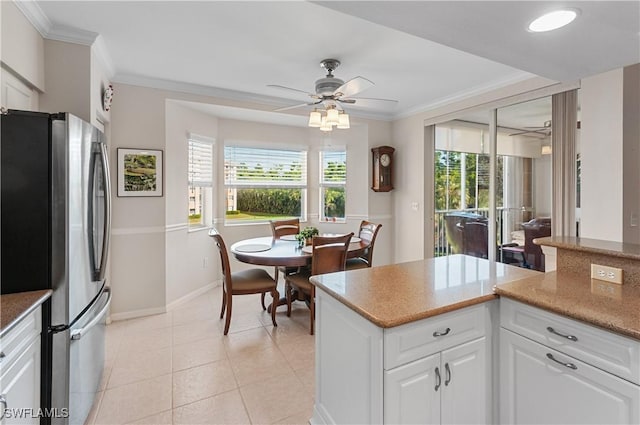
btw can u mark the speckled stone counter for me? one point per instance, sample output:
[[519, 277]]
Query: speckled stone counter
[[609, 306], [396, 294], [13, 307]]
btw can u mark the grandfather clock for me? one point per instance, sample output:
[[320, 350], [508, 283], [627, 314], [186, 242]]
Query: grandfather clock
[[382, 178]]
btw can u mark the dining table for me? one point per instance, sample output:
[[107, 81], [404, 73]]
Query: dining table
[[285, 252]]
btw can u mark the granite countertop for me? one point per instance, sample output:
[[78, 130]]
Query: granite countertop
[[14, 307], [595, 246], [607, 305], [396, 294]]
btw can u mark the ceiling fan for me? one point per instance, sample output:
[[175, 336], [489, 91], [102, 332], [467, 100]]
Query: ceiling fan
[[331, 91], [544, 130]]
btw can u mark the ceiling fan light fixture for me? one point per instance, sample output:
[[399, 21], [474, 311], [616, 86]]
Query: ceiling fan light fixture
[[343, 121], [553, 20], [325, 126], [315, 119], [332, 117]]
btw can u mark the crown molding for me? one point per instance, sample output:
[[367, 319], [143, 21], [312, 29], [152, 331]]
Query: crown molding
[[475, 91], [201, 90], [71, 35], [34, 14]]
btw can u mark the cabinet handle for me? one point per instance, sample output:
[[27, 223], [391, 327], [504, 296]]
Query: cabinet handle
[[3, 401], [438, 379], [569, 337], [447, 370], [569, 365], [446, 332], [2, 355]]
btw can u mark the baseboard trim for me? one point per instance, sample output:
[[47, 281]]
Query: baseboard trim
[[191, 296], [136, 313]]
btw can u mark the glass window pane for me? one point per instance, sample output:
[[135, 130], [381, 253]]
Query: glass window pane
[[334, 202], [261, 204]]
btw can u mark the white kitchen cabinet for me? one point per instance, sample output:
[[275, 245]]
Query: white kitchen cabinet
[[435, 370], [20, 371], [445, 388], [562, 375]]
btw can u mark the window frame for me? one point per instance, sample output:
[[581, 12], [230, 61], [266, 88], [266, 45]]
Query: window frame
[[327, 184], [301, 185], [208, 203]]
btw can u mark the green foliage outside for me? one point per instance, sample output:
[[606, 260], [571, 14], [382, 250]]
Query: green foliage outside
[[270, 201], [334, 202], [448, 181], [195, 219]]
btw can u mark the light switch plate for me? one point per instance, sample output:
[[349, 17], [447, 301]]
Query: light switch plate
[[606, 273]]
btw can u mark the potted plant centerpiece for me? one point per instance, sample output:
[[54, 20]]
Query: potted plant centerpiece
[[306, 234]]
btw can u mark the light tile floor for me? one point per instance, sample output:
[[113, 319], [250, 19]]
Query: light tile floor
[[178, 367]]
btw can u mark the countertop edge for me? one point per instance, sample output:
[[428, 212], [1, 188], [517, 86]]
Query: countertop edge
[[403, 320], [46, 294], [574, 244], [588, 319]]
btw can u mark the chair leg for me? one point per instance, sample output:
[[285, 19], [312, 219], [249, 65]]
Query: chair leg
[[287, 294], [227, 320], [276, 296], [262, 300], [224, 302], [312, 308]]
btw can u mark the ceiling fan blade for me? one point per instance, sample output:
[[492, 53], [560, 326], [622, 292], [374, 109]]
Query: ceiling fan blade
[[370, 102], [286, 108], [275, 86], [353, 86]]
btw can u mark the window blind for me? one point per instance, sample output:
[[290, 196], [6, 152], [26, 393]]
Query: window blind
[[257, 167], [334, 167], [200, 163]]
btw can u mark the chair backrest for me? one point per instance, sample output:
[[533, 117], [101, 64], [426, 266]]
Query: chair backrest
[[475, 240], [224, 258], [281, 228], [329, 253], [536, 228], [368, 232]]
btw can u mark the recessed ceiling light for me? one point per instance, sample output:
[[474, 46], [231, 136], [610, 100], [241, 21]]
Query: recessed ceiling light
[[553, 20]]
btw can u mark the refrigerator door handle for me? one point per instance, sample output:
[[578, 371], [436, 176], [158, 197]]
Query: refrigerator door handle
[[77, 333], [107, 211]]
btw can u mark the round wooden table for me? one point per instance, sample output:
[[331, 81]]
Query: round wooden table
[[281, 252], [267, 251]]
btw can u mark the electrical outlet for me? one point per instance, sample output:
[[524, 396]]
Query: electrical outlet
[[606, 273]]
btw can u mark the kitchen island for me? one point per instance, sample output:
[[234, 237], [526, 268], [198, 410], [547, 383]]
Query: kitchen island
[[409, 343]]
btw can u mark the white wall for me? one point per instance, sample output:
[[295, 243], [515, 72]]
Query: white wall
[[602, 156], [68, 79]]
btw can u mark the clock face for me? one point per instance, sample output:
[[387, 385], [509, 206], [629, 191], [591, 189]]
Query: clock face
[[385, 160]]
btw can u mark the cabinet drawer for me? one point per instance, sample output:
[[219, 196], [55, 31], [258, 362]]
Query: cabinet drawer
[[18, 338], [608, 351], [412, 341]]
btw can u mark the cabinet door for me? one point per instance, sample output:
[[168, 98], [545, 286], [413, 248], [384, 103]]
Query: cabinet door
[[466, 389], [535, 388], [412, 392], [20, 386]]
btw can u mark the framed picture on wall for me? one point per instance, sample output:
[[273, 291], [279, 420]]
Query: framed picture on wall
[[139, 172]]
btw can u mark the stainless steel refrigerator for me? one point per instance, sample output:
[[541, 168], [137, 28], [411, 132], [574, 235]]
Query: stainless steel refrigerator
[[55, 215]]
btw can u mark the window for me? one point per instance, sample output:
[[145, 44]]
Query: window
[[333, 184], [264, 184], [200, 181]]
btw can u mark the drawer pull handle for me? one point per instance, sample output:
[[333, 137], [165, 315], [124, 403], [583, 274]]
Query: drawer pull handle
[[569, 337], [569, 365], [2, 355], [447, 380], [446, 332], [3, 401], [438, 379]]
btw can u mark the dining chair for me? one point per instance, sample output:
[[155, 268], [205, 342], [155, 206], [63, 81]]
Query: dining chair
[[251, 281], [329, 255], [280, 228], [368, 232]]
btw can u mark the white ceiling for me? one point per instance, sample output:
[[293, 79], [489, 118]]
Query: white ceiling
[[235, 49]]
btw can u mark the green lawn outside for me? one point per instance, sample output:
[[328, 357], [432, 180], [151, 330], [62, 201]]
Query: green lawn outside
[[247, 216]]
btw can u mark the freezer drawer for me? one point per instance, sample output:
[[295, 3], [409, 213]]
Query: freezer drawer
[[86, 358]]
